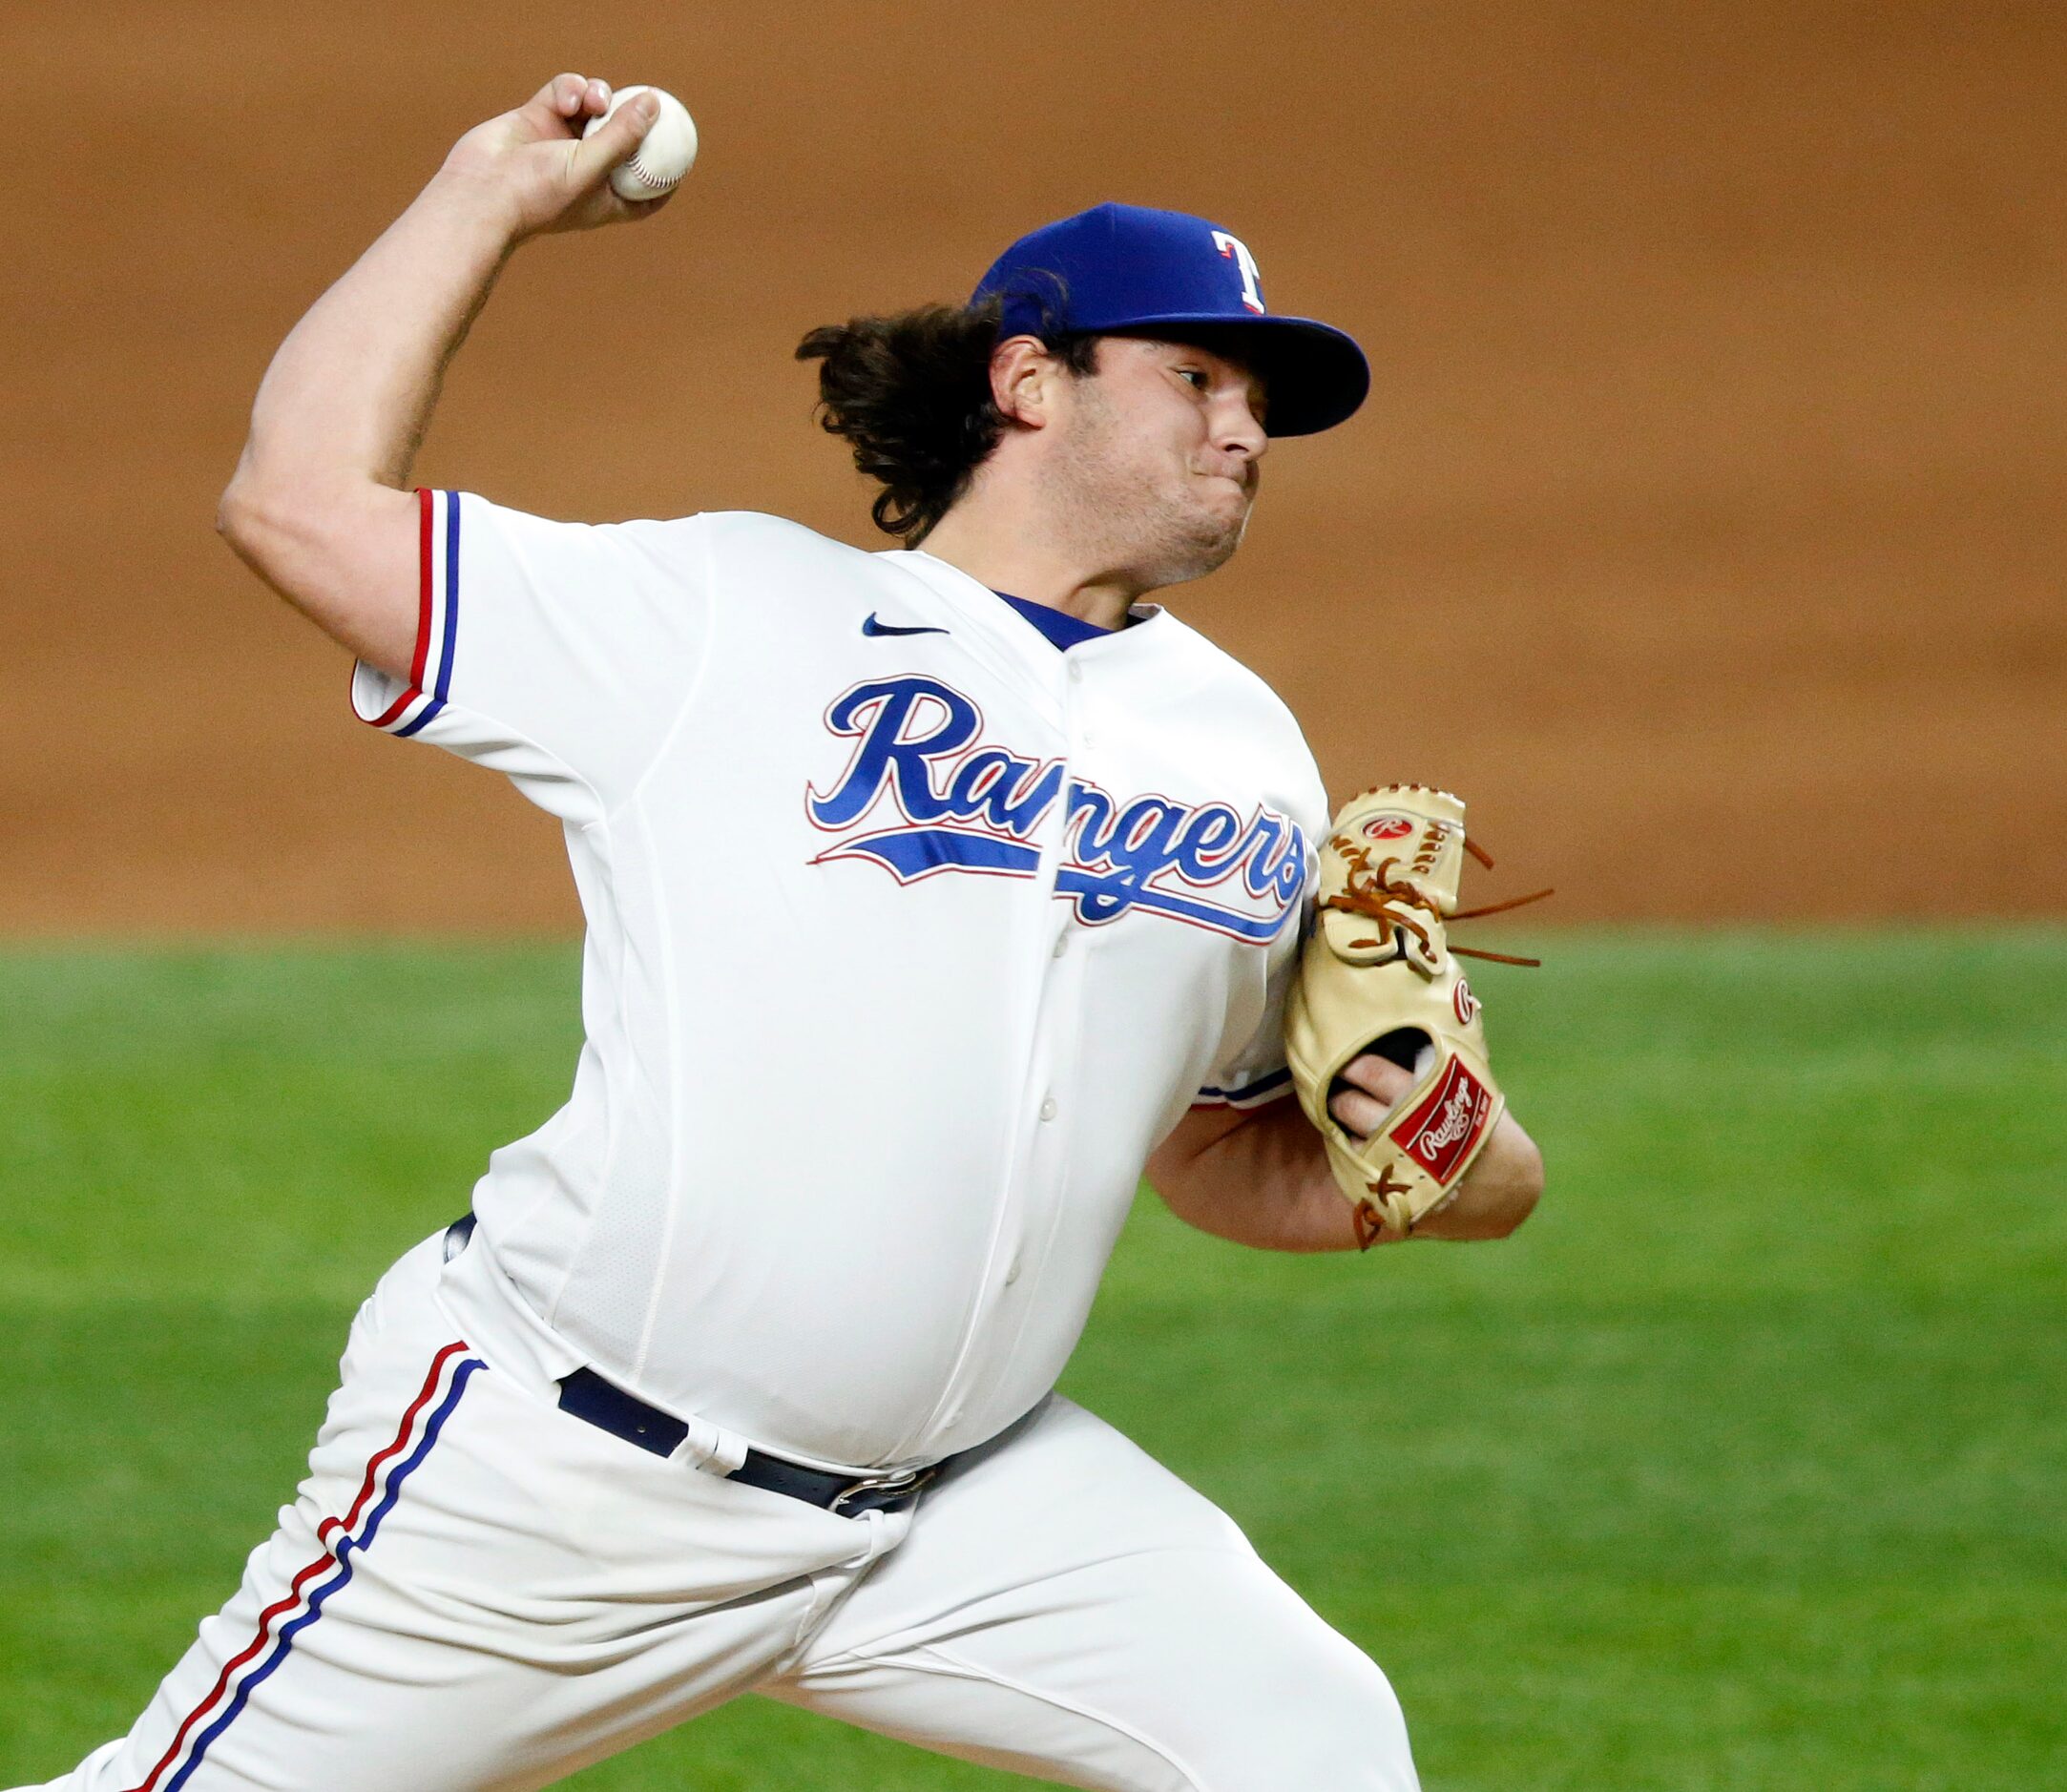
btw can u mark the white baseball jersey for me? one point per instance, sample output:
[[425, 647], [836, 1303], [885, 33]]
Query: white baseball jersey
[[909, 936]]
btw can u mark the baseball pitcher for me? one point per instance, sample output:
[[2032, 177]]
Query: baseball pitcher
[[935, 895]]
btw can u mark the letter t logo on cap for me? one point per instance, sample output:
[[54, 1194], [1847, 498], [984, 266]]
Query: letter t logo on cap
[[1131, 269], [1228, 245]]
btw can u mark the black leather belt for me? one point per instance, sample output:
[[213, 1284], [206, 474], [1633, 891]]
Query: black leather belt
[[587, 1395]]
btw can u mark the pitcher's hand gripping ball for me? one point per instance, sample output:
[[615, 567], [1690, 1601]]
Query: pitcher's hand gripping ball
[[666, 152], [1378, 975]]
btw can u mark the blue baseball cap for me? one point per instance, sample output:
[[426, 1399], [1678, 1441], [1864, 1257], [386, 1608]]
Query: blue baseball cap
[[1122, 269]]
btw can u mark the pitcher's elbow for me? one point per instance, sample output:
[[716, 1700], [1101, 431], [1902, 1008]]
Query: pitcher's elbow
[[1524, 1191], [240, 516], [265, 527]]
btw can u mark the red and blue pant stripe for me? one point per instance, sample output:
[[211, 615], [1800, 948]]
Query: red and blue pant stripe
[[345, 1537]]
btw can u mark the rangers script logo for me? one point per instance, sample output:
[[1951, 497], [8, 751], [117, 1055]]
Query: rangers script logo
[[955, 805]]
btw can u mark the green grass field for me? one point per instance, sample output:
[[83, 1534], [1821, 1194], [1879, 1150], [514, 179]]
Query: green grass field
[[1742, 1466]]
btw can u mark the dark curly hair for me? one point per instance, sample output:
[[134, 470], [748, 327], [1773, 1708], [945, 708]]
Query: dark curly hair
[[912, 393]]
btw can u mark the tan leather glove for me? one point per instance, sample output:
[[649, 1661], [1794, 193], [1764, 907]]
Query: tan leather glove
[[1378, 973]]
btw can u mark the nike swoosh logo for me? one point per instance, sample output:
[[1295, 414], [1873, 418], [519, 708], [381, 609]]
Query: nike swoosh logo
[[873, 627]]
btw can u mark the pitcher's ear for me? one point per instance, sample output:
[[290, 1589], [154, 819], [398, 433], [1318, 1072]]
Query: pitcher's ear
[[1023, 380]]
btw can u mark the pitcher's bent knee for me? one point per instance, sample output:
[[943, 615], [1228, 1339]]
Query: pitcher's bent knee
[[1323, 1717]]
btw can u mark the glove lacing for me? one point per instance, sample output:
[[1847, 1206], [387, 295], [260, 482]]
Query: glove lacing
[[1373, 892]]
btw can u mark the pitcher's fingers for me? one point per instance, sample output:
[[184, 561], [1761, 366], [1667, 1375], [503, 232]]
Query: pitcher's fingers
[[1355, 1111], [592, 100], [614, 140], [568, 100], [1378, 1077]]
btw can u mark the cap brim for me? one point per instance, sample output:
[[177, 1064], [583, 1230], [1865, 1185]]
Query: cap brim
[[1314, 375]]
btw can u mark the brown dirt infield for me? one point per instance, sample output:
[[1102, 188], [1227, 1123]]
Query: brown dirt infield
[[1704, 529]]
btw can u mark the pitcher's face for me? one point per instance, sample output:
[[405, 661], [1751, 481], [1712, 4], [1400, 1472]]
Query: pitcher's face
[[1161, 452]]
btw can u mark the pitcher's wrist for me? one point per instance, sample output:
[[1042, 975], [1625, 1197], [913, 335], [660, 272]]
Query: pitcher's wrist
[[475, 208]]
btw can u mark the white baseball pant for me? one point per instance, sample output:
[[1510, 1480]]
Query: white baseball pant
[[475, 1592]]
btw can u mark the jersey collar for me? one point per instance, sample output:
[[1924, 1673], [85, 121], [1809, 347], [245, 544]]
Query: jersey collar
[[974, 593]]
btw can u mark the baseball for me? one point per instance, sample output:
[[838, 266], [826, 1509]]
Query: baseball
[[666, 152]]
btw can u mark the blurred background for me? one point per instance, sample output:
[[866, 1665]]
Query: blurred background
[[1704, 529]]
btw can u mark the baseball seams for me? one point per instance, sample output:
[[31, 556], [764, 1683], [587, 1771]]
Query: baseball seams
[[657, 184]]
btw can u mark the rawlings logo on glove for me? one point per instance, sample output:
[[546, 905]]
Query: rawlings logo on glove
[[1460, 1107], [1378, 973]]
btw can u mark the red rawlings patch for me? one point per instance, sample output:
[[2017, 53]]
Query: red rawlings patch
[[1440, 1133], [1388, 827]]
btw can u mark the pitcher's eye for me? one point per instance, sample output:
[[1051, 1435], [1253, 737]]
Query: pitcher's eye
[[1197, 376]]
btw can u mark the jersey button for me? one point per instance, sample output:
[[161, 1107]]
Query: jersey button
[[1011, 1273], [1048, 1109], [1063, 943], [1077, 672]]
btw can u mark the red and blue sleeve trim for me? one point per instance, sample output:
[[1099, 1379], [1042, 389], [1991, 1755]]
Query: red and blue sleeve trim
[[437, 616], [1254, 1093]]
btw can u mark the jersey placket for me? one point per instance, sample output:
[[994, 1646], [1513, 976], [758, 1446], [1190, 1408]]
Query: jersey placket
[[1058, 1031], [1033, 1195]]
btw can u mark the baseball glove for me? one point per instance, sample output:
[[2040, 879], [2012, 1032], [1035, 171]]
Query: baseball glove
[[1378, 975]]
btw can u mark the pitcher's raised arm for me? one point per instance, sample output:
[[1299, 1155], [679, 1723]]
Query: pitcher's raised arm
[[319, 505]]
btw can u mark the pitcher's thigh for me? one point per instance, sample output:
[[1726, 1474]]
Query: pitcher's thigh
[[322, 1670], [280, 1695], [473, 1592], [1071, 1609]]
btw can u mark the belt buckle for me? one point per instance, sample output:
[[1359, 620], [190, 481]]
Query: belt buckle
[[911, 1481]]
